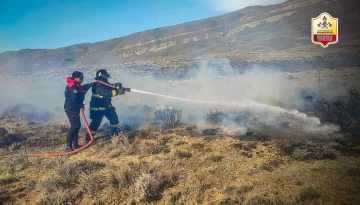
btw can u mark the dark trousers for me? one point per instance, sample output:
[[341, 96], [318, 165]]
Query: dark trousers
[[74, 118], [97, 116]]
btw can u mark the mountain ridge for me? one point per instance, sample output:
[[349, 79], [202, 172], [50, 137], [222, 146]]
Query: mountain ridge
[[243, 35]]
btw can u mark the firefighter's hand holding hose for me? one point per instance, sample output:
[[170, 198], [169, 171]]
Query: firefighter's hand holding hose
[[121, 90]]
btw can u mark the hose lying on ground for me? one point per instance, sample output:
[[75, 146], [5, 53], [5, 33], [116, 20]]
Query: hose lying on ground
[[64, 153], [59, 154]]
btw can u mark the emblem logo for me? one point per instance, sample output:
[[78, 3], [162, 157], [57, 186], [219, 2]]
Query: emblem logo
[[324, 30], [75, 91]]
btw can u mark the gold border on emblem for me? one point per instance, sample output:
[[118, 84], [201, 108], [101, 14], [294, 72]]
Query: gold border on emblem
[[337, 29]]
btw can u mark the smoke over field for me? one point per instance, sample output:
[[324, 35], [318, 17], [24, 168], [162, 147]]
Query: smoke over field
[[252, 99]]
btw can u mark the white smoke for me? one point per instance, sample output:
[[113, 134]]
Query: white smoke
[[269, 97]]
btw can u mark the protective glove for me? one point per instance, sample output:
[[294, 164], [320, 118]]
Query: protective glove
[[120, 91], [118, 85], [127, 89]]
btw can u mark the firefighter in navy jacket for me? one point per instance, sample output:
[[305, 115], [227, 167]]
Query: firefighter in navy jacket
[[100, 104], [74, 100]]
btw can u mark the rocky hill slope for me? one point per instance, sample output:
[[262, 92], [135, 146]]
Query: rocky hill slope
[[274, 34]]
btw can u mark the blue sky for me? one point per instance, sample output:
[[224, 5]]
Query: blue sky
[[58, 23]]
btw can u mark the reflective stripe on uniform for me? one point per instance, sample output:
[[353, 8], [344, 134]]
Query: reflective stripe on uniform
[[97, 96], [116, 125], [93, 132], [113, 92], [98, 108]]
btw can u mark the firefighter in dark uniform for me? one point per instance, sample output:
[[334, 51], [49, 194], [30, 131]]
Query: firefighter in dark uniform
[[74, 99], [100, 104]]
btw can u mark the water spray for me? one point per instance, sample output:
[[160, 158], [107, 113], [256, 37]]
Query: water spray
[[246, 104], [256, 106]]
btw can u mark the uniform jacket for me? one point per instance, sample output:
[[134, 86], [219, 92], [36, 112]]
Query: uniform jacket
[[75, 94], [102, 94]]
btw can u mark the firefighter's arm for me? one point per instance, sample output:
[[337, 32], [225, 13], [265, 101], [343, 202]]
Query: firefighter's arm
[[106, 92], [88, 86]]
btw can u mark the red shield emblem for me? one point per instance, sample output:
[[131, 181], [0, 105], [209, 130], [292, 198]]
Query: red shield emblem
[[324, 30]]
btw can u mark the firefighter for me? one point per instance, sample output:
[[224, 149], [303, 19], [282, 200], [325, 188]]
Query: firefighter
[[100, 104], [74, 99]]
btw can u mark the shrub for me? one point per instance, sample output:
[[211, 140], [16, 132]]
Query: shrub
[[169, 116], [345, 114], [215, 117], [7, 138], [148, 187]]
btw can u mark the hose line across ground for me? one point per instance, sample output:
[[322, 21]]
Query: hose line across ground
[[59, 154]]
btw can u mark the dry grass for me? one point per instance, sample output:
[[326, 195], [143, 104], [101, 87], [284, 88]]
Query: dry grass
[[178, 168]]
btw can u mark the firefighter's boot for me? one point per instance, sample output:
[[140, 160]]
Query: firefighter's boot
[[69, 147]]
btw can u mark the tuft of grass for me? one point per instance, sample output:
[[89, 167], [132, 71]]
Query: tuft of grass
[[91, 183], [145, 133], [121, 144], [59, 196], [307, 194], [215, 158], [182, 154], [146, 188], [7, 179], [198, 146], [154, 148], [68, 175], [271, 164]]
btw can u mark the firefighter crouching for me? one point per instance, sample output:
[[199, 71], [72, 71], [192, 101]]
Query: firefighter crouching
[[100, 104], [74, 100]]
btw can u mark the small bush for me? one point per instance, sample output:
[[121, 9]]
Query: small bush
[[148, 187], [170, 117], [345, 114], [215, 117], [145, 133], [7, 138], [209, 132]]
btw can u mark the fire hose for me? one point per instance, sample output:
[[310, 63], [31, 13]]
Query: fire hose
[[60, 154], [64, 153]]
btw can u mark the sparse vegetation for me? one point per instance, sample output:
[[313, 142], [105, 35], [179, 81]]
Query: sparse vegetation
[[170, 117], [302, 151], [346, 114], [167, 166]]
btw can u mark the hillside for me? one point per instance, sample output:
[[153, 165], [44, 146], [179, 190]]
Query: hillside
[[266, 35]]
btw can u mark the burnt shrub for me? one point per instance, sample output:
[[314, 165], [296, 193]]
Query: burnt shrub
[[309, 151], [346, 114], [7, 138]]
